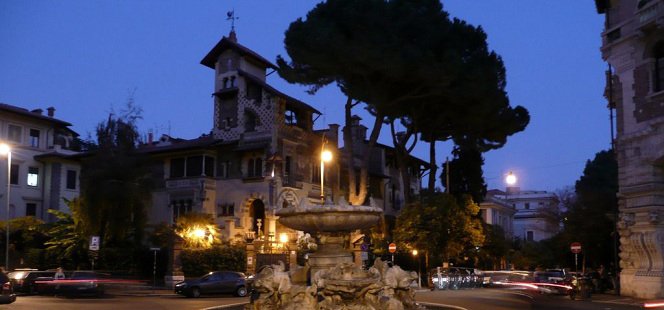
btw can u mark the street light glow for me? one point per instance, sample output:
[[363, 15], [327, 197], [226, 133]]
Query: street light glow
[[283, 238], [326, 156], [414, 252], [4, 149], [510, 179]]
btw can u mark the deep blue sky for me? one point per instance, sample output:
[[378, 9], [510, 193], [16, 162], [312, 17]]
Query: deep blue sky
[[84, 58]]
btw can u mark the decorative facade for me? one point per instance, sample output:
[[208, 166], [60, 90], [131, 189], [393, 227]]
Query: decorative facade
[[44, 168], [633, 46]]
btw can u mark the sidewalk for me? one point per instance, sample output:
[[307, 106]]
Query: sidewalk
[[619, 300], [139, 290]]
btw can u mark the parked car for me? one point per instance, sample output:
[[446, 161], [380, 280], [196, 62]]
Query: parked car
[[217, 282], [23, 280], [81, 283], [7, 295]]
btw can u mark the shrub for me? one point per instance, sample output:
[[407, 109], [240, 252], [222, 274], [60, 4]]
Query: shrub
[[196, 262]]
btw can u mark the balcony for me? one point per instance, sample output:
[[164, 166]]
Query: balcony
[[190, 183], [648, 15]]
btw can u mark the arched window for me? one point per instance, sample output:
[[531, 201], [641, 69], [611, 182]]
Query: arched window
[[659, 67]]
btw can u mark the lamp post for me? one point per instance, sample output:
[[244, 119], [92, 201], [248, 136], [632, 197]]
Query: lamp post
[[5, 149], [325, 156], [419, 276]]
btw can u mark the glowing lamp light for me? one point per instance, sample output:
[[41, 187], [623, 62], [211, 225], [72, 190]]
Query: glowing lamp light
[[4, 149], [326, 156], [283, 238], [510, 179], [414, 252], [198, 233]]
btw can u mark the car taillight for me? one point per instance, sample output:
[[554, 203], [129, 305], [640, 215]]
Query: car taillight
[[7, 286]]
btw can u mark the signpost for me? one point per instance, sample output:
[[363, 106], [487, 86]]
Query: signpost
[[154, 268], [94, 248], [575, 247], [392, 248]]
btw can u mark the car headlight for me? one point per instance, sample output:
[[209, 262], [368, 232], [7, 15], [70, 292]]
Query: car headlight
[[181, 284]]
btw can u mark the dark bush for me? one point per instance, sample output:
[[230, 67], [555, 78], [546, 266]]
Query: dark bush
[[222, 257]]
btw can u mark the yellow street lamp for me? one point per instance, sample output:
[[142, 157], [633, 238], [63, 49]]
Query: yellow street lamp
[[6, 150], [325, 156], [283, 238], [419, 278]]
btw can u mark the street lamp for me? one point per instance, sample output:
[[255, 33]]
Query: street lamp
[[419, 276], [325, 156], [510, 179], [5, 149]]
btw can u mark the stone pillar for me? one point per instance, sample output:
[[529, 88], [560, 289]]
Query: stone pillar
[[251, 258], [174, 272]]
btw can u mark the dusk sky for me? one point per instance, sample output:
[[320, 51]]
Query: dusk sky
[[85, 57]]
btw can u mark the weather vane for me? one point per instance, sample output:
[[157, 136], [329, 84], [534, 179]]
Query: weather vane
[[231, 16]]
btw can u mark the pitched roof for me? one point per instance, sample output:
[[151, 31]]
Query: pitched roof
[[181, 145], [25, 112], [296, 103], [225, 43]]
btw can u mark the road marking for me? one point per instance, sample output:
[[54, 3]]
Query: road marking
[[442, 305], [225, 306]]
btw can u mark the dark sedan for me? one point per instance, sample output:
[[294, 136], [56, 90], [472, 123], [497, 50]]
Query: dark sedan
[[218, 282], [88, 283], [7, 295]]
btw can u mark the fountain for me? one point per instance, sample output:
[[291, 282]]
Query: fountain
[[336, 283]]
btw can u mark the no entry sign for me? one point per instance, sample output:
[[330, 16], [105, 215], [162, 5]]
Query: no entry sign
[[575, 247], [392, 247]]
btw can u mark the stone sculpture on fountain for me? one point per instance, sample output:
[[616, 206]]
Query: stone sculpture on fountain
[[336, 283]]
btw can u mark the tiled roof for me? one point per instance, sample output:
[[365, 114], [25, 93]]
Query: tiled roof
[[225, 43]]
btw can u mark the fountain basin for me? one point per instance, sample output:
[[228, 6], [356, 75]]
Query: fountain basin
[[329, 218]]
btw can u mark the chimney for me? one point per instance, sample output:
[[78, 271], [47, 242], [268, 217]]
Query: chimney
[[150, 137], [37, 111], [51, 111]]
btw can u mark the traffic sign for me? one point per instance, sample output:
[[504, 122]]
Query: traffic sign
[[575, 247], [94, 243], [393, 247]]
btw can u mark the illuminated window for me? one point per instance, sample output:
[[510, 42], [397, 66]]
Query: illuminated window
[[33, 176]]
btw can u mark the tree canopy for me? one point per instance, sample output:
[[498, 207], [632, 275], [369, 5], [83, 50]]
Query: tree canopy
[[408, 61], [441, 226], [115, 181]]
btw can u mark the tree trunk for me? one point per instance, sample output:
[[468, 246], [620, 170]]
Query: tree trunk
[[358, 198], [350, 155], [432, 165]]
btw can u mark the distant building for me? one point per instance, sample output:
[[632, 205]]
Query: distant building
[[633, 45], [535, 213], [44, 169], [498, 212]]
